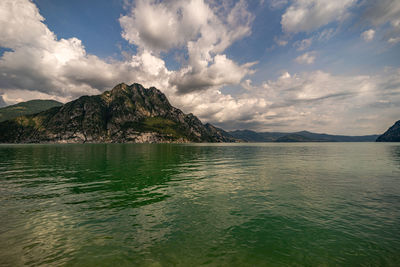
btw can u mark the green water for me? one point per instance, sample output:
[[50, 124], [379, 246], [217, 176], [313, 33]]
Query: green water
[[315, 204]]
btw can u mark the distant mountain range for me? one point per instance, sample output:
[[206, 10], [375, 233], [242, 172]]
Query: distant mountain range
[[303, 136], [124, 114], [135, 114], [26, 108]]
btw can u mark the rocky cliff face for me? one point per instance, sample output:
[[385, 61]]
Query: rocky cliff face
[[124, 114], [391, 135]]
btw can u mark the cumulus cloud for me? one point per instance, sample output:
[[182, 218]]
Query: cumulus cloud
[[222, 71], [303, 44], [204, 31], [306, 58], [40, 65], [383, 12], [2, 102], [14, 96], [281, 41], [342, 104], [394, 40], [277, 4], [223, 110], [164, 25], [326, 34], [247, 84], [368, 35], [310, 15], [38, 61]]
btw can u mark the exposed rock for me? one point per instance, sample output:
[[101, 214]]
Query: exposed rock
[[124, 114], [220, 135]]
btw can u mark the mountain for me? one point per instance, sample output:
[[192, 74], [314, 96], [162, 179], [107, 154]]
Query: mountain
[[124, 114], [391, 135], [249, 136], [303, 136], [220, 135], [26, 108], [337, 138], [296, 138]]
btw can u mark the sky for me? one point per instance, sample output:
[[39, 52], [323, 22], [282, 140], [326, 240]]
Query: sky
[[268, 65]]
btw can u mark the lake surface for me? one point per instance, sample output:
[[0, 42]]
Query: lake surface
[[315, 204]]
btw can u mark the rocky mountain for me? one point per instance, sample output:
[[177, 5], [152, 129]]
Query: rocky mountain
[[303, 136], [391, 135], [124, 114], [26, 108]]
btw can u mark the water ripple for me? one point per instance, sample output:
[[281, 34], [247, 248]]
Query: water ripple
[[200, 204]]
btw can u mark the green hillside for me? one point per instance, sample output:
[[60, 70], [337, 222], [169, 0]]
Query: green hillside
[[26, 108]]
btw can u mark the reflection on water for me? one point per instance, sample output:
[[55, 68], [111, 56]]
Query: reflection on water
[[200, 204], [395, 155]]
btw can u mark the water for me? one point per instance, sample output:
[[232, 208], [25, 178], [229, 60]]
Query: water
[[314, 204]]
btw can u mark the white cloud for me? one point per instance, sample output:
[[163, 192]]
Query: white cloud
[[368, 35], [222, 71], [2, 102], [315, 101], [383, 12], [335, 103], [277, 4], [39, 62], [15, 96], [394, 40], [247, 84], [280, 41], [310, 15], [203, 30], [303, 44], [164, 25], [306, 58], [326, 34], [40, 65]]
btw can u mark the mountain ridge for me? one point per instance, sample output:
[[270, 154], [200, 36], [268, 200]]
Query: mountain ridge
[[392, 134], [126, 114], [26, 108], [301, 136], [135, 114]]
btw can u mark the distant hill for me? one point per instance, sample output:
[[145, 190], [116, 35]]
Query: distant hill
[[26, 108], [391, 135], [296, 138], [303, 136], [338, 138], [251, 136], [126, 114]]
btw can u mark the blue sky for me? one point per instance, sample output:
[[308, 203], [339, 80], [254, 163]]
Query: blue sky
[[272, 65]]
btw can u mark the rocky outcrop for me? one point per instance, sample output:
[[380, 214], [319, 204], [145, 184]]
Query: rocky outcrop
[[220, 135], [391, 135], [124, 114]]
